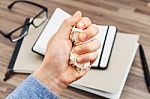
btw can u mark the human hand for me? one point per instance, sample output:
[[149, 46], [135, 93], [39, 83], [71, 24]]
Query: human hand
[[54, 71]]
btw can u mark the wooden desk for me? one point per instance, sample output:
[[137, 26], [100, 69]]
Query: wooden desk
[[131, 16]]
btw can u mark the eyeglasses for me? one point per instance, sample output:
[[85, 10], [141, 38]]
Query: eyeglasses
[[15, 35]]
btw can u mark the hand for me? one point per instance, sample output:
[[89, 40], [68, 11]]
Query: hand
[[54, 71]]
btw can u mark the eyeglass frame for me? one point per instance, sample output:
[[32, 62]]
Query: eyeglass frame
[[8, 35]]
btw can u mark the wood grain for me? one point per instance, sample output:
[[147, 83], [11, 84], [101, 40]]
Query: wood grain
[[130, 16]]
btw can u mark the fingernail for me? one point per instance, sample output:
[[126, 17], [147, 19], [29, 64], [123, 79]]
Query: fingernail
[[83, 36], [80, 25], [79, 59], [77, 13], [77, 49]]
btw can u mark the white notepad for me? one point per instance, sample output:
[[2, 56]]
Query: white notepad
[[106, 36]]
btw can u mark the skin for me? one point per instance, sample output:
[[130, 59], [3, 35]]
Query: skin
[[54, 71]]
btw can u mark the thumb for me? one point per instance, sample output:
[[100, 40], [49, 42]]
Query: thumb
[[75, 18], [68, 23]]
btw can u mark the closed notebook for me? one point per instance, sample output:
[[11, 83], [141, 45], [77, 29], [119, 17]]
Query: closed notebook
[[108, 83]]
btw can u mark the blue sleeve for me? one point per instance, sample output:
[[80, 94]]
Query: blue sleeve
[[31, 88]]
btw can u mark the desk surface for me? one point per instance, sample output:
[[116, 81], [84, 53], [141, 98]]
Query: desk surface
[[131, 16]]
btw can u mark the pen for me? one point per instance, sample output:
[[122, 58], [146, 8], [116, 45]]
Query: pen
[[145, 67], [10, 70], [8, 74]]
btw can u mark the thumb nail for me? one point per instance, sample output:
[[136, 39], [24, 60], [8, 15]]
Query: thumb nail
[[82, 36], [78, 13]]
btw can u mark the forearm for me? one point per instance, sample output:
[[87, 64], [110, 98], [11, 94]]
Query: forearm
[[32, 88]]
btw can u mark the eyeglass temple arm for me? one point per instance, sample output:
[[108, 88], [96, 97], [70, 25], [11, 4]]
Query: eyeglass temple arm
[[24, 29], [7, 34], [26, 24], [3, 33], [23, 1]]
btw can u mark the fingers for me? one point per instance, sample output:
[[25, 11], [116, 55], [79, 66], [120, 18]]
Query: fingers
[[87, 47], [89, 33], [87, 57], [84, 23]]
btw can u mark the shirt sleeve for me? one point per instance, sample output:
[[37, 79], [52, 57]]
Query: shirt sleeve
[[31, 88]]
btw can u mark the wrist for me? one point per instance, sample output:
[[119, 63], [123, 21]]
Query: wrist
[[50, 81]]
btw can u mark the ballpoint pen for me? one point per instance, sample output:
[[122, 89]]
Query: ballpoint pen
[[10, 70], [145, 67]]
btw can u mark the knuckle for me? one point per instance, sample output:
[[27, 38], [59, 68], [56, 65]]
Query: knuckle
[[97, 43], [91, 57], [85, 48], [94, 56], [88, 47], [96, 28], [91, 30]]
